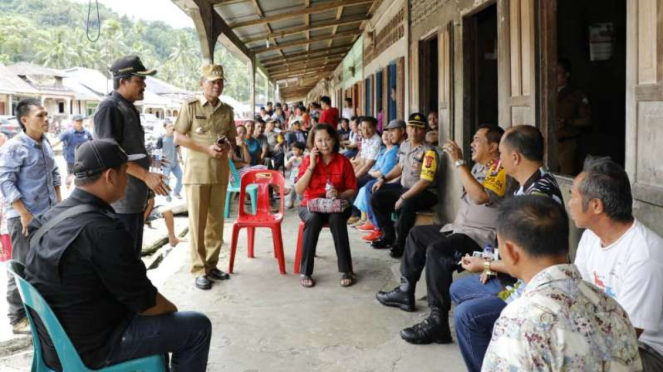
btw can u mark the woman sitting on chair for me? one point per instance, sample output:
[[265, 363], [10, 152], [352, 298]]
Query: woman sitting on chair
[[325, 174]]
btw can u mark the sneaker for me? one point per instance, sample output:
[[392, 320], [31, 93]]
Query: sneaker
[[22, 327], [368, 226], [169, 199], [353, 220], [373, 236]]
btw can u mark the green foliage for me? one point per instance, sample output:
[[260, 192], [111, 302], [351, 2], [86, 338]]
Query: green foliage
[[52, 33]]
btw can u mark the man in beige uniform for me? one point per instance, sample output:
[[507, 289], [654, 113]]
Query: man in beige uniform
[[201, 122], [573, 114]]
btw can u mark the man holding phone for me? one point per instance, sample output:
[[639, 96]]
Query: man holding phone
[[205, 126]]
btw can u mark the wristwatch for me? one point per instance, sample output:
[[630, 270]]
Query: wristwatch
[[486, 268], [459, 162]]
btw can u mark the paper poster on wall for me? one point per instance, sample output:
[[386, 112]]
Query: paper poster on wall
[[600, 41]]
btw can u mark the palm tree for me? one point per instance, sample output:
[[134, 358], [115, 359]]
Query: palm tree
[[54, 49]]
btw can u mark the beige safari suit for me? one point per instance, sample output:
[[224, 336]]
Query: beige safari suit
[[205, 179]]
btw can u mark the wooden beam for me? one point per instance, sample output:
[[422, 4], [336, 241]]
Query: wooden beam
[[339, 35], [303, 70], [300, 29], [301, 61], [305, 73], [300, 12], [341, 48], [226, 2], [209, 25], [277, 70]]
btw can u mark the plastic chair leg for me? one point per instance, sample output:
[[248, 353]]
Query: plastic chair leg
[[278, 247], [298, 253], [251, 233], [233, 248], [226, 210]]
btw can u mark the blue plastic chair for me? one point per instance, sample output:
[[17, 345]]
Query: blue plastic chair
[[235, 186], [67, 354]]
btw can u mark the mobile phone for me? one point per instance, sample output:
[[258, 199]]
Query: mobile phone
[[222, 140]]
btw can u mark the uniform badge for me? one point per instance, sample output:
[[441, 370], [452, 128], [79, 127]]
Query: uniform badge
[[200, 130], [201, 117]]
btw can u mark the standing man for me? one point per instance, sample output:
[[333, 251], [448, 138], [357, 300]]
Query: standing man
[[171, 152], [30, 183], [201, 122], [118, 119], [348, 110], [573, 114], [329, 114], [70, 139]]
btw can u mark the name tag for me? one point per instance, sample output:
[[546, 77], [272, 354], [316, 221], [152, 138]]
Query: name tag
[[201, 117]]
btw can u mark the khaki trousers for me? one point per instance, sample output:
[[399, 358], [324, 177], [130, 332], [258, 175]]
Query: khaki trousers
[[206, 204]]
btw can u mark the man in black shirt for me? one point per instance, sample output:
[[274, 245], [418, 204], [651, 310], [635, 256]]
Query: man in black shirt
[[86, 269], [118, 119]]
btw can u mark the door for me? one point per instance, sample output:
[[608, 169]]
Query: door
[[516, 66]]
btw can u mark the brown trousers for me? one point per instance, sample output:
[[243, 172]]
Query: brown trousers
[[206, 204]]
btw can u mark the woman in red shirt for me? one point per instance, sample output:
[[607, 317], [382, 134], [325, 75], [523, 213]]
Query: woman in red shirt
[[325, 165]]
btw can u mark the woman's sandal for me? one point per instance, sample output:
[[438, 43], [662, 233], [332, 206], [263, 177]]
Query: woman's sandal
[[306, 281], [347, 279]]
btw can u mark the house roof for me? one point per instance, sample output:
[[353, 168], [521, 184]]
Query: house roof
[[294, 39], [160, 87], [91, 79], [10, 83]]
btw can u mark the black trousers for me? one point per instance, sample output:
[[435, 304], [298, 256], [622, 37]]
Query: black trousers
[[383, 202], [361, 182], [313, 225], [439, 253], [134, 224]]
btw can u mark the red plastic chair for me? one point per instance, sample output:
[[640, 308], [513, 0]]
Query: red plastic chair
[[263, 217], [300, 240]]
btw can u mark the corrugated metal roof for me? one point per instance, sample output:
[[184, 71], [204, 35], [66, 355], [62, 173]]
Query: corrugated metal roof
[[10, 83]]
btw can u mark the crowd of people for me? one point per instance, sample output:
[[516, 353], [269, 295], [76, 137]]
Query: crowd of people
[[524, 307]]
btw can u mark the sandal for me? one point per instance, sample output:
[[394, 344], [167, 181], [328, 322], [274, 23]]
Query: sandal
[[347, 279], [306, 281]]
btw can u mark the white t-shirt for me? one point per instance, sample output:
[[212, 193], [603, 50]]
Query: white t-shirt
[[631, 271], [370, 147], [347, 113]]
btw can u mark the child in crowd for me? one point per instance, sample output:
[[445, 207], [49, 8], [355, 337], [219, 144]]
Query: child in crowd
[[293, 163]]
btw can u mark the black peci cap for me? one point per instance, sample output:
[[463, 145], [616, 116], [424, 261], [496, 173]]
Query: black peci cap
[[130, 65], [98, 155]]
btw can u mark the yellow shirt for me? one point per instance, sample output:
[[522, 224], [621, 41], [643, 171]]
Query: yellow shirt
[[203, 123]]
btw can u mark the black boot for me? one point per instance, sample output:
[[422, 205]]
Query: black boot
[[397, 298], [434, 329]]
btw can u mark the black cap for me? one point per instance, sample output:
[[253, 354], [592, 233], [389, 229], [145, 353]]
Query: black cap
[[98, 155], [417, 120], [130, 65]]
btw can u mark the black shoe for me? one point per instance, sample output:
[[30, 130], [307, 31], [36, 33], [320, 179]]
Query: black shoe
[[382, 243], [434, 329], [397, 298], [217, 274], [396, 251], [202, 282]]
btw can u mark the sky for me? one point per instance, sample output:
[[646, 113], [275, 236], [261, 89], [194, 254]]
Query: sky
[[148, 10]]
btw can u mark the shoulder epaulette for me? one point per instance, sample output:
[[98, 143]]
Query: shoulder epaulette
[[191, 99]]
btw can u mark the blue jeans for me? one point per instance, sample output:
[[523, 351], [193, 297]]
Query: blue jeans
[[177, 171], [186, 334], [477, 310]]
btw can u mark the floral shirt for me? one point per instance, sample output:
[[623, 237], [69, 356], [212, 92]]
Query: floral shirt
[[562, 324]]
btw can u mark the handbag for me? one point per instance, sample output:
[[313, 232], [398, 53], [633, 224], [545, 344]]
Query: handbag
[[327, 205]]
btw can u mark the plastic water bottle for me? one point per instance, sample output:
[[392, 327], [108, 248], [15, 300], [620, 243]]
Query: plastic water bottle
[[488, 252], [328, 187], [156, 159]]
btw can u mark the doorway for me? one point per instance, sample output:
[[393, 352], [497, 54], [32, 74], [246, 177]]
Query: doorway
[[480, 100], [591, 101], [428, 75]]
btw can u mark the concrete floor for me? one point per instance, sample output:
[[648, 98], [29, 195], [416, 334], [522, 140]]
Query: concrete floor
[[265, 321]]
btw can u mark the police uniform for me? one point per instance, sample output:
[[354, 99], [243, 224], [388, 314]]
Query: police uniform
[[206, 177], [572, 113], [416, 163]]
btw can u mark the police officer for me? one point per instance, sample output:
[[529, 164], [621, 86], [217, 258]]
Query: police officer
[[118, 119], [202, 122], [573, 113], [417, 165]]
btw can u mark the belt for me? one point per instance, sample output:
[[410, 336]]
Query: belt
[[566, 139]]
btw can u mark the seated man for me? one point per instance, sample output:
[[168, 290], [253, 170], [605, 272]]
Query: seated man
[[371, 144], [619, 254], [86, 269], [417, 166], [560, 323], [485, 186], [479, 299]]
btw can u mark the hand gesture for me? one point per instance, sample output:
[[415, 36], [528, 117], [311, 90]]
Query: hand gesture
[[453, 150], [216, 151], [399, 203], [313, 156], [377, 185], [157, 183], [472, 264], [26, 218]]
